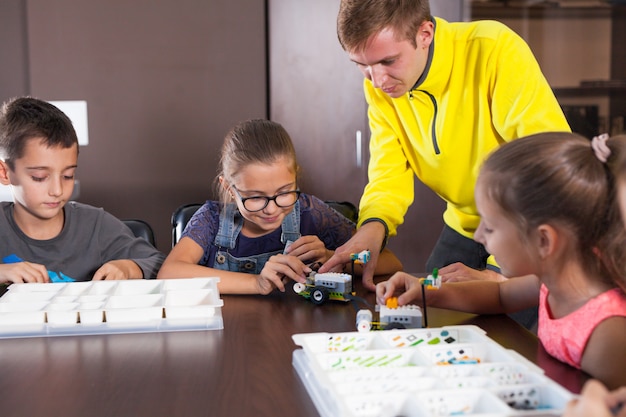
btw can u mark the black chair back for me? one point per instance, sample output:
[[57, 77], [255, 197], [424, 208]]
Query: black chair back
[[141, 229], [346, 208], [180, 218]]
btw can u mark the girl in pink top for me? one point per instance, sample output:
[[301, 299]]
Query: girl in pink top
[[549, 215]]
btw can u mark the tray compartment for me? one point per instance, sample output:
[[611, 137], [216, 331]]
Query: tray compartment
[[62, 314], [533, 397], [190, 304], [138, 287], [134, 308], [457, 402]]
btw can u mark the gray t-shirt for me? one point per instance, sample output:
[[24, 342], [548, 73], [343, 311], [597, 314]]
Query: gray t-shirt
[[90, 238]]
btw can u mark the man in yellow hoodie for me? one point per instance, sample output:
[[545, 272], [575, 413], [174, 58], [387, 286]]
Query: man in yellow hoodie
[[441, 97]]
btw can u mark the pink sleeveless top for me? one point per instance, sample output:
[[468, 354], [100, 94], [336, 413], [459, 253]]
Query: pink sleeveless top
[[566, 338]]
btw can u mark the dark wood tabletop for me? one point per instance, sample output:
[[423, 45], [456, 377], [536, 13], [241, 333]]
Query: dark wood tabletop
[[243, 370]]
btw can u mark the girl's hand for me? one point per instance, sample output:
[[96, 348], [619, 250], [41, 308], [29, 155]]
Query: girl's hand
[[278, 270], [309, 249], [398, 282], [458, 272], [23, 272], [617, 401]]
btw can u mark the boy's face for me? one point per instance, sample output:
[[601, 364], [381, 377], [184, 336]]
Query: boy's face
[[394, 65], [43, 179]]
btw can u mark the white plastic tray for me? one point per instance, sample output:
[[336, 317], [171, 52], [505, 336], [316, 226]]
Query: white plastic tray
[[447, 371], [101, 307]]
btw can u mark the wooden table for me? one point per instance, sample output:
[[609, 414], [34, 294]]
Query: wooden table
[[243, 370]]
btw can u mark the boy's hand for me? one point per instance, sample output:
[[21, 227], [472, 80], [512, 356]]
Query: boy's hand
[[117, 270], [278, 270], [309, 249], [23, 272]]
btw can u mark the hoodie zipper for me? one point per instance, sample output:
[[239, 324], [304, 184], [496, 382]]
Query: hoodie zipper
[[433, 132]]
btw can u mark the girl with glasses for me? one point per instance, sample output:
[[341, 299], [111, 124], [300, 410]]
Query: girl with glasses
[[263, 232]]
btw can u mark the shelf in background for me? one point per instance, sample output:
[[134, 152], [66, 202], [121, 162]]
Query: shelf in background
[[542, 10], [589, 91]]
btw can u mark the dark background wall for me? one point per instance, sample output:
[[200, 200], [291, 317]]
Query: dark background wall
[[164, 81]]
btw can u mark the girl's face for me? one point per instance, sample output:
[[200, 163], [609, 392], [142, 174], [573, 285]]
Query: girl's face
[[261, 180], [501, 237]]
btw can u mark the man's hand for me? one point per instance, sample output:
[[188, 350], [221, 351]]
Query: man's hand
[[370, 237]]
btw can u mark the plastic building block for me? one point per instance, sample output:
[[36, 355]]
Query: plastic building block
[[432, 281], [392, 302], [362, 257], [402, 317]]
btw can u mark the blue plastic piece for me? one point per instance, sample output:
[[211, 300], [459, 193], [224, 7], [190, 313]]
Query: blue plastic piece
[[54, 276]]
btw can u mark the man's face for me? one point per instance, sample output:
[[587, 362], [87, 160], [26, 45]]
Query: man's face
[[391, 64]]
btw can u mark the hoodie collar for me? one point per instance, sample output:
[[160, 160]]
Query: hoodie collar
[[436, 72]]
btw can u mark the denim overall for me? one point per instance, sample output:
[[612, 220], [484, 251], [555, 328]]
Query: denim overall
[[231, 223]]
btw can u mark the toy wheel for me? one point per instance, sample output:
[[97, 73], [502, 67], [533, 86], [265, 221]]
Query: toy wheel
[[319, 296], [364, 326], [298, 287]]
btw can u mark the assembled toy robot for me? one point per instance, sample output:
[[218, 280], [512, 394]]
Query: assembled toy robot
[[392, 316], [337, 286]]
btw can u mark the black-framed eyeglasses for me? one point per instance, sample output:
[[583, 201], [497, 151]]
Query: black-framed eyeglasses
[[258, 203]]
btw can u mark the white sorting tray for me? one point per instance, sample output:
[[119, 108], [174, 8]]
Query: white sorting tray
[[102, 307], [447, 371]]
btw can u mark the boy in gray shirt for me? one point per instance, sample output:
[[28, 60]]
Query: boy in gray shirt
[[42, 229]]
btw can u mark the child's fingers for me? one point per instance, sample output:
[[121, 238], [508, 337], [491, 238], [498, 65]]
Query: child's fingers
[[25, 272], [307, 248], [280, 268]]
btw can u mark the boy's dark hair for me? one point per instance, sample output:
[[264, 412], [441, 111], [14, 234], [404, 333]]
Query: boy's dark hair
[[26, 118]]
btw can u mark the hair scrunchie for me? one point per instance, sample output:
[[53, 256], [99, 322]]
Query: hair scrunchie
[[600, 148]]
